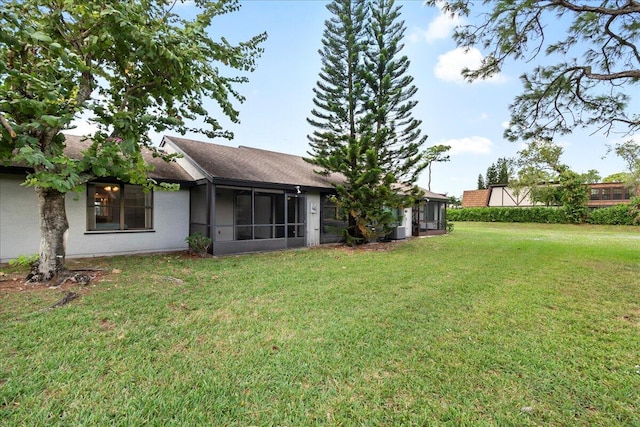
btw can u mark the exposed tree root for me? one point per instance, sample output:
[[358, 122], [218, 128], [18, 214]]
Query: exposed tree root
[[68, 297]]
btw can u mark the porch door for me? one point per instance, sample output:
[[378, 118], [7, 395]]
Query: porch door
[[415, 220]]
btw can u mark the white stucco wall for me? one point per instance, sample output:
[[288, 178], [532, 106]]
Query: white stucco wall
[[19, 227], [313, 219], [506, 197], [406, 221], [20, 234]]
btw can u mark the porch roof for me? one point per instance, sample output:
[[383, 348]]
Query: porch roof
[[251, 165]]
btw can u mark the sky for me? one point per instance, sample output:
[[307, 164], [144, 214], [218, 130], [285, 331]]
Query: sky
[[470, 117]]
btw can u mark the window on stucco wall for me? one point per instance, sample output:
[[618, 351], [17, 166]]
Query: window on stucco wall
[[116, 207]]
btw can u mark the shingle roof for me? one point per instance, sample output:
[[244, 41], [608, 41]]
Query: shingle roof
[[427, 194], [252, 165], [475, 198], [163, 171]]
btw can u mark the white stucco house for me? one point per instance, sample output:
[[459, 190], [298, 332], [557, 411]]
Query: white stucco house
[[244, 199], [105, 218]]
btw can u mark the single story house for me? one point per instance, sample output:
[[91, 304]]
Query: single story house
[[245, 199], [106, 218]]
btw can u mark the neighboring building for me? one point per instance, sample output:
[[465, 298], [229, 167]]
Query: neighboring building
[[600, 195], [608, 194], [502, 195], [475, 198], [244, 199]]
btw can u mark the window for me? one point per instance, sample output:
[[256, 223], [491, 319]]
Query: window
[[617, 193], [606, 194], [115, 207], [595, 194], [261, 214]]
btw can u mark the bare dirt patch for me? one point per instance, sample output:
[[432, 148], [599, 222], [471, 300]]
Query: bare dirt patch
[[16, 282], [369, 247]]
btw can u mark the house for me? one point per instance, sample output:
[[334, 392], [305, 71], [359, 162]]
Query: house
[[606, 194], [429, 214], [501, 195], [106, 218], [245, 199], [475, 198]]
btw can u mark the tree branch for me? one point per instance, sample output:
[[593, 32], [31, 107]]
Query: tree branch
[[631, 7], [7, 125]]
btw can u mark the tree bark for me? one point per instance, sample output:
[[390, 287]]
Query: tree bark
[[53, 234]]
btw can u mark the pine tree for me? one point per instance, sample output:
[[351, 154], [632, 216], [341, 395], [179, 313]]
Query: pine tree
[[503, 170], [336, 144], [396, 134], [481, 184], [362, 115], [491, 177]]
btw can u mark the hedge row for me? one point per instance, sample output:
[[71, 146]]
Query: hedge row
[[615, 215]]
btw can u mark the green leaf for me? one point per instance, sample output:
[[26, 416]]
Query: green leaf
[[41, 37]]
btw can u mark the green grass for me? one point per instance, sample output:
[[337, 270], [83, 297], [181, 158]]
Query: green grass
[[495, 324]]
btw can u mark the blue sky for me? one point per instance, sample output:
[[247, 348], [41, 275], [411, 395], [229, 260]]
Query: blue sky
[[469, 117]]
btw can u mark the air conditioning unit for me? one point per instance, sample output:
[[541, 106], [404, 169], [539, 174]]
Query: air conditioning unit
[[398, 233]]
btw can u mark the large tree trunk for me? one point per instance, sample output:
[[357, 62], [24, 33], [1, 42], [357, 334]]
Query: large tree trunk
[[53, 235]]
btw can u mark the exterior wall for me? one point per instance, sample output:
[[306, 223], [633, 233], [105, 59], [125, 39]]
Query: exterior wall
[[505, 197], [313, 219], [186, 164], [19, 226], [20, 234], [605, 194]]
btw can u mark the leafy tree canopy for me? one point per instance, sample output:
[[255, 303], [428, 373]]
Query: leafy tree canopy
[[593, 55], [133, 66], [550, 181], [629, 152]]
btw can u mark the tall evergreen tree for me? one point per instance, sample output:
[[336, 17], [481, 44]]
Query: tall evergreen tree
[[502, 165], [336, 143], [492, 175], [397, 135], [481, 184], [362, 115]]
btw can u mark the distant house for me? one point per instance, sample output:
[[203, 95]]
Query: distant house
[[475, 198], [606, 194], [245, 199], [600, 195]]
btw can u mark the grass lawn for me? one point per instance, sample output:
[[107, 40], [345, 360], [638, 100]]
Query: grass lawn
[[495, 324]]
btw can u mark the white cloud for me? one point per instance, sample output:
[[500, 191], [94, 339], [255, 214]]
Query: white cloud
[[469, 144], [451, 64], [440, 28]]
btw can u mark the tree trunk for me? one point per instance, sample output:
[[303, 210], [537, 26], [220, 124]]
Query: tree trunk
[[53, 234]]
